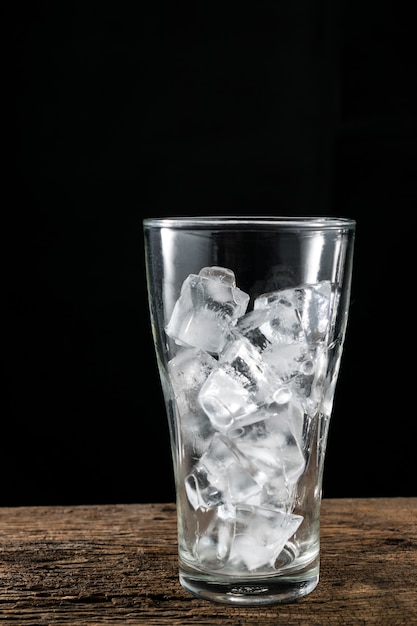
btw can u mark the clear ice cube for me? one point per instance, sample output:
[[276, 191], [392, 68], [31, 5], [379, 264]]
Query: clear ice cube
[[273, 449], [188, 371], [208, 305], [222, 475], [296, 315], [215, 537], [260, 536], [239, 385], [244, 538]]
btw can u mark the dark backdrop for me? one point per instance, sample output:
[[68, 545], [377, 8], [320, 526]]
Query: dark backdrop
[[119, 113]]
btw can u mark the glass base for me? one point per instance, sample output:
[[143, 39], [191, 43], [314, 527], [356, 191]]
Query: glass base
[[252, 592]]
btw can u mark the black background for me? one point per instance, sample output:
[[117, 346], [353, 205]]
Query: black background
[[124, 111]]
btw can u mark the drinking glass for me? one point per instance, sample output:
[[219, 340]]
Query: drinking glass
[[248, 318]]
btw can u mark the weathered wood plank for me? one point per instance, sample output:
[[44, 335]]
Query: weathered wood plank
[[113, 564]]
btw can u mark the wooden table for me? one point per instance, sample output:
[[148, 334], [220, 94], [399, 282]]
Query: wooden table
[[117, 564]]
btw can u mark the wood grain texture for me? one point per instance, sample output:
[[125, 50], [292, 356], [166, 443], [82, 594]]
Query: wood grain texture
[[117, 564]]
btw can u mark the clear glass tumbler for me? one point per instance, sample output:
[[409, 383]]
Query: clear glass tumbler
[[249, 319]]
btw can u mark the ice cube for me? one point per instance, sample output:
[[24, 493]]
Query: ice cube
[[243, 538], [222, 475], [260, 536], [188, 371], [241, 383], [208, 305], [299, 314], [273, 450], [288, 328], [215, 537], [200, 492]]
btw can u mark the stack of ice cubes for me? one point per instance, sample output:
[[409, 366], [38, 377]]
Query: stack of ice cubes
[[245, 385]]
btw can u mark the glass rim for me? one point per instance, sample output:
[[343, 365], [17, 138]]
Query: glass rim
[[248, 221]]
